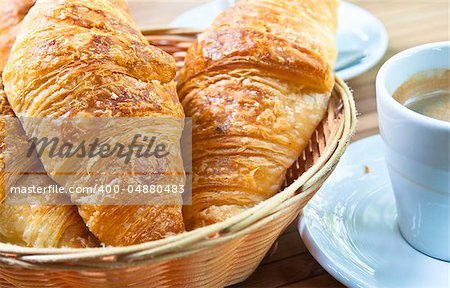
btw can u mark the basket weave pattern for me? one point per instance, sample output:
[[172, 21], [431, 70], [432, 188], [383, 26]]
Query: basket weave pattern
[[218, 255]]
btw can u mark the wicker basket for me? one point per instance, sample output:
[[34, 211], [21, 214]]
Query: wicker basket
[[218, 255]]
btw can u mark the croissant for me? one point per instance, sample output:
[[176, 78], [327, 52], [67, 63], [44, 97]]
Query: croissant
[[256, 85], [12, 13], [87, 59], [37, 226]]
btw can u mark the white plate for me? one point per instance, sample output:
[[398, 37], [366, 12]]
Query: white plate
[[359, 31], [351, 230]]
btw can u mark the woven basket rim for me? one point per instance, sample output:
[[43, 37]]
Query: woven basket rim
[[191, 241]]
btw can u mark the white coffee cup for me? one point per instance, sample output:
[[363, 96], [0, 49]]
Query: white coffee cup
[[417, 150]]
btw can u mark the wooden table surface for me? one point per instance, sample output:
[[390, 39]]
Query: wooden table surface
[[409, 23]]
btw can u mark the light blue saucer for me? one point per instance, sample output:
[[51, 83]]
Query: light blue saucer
[[351, 230]]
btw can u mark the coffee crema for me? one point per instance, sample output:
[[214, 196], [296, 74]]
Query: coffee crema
[[427, 93]]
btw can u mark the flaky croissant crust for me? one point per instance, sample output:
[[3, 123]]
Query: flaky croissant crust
[[88, 58], [64, 43], [37, 226], [256, 85], [286, 39]]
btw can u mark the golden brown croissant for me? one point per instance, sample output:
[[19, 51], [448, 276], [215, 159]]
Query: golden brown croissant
[[36, 225], [83, 58], [256, 85], [11, 15]]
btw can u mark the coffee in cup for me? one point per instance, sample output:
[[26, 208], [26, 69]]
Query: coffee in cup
[[427, 93]]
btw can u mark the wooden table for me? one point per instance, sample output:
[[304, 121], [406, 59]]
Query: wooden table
[[409, 23]]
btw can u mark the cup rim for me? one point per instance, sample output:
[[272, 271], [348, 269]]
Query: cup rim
[[384, 93]]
